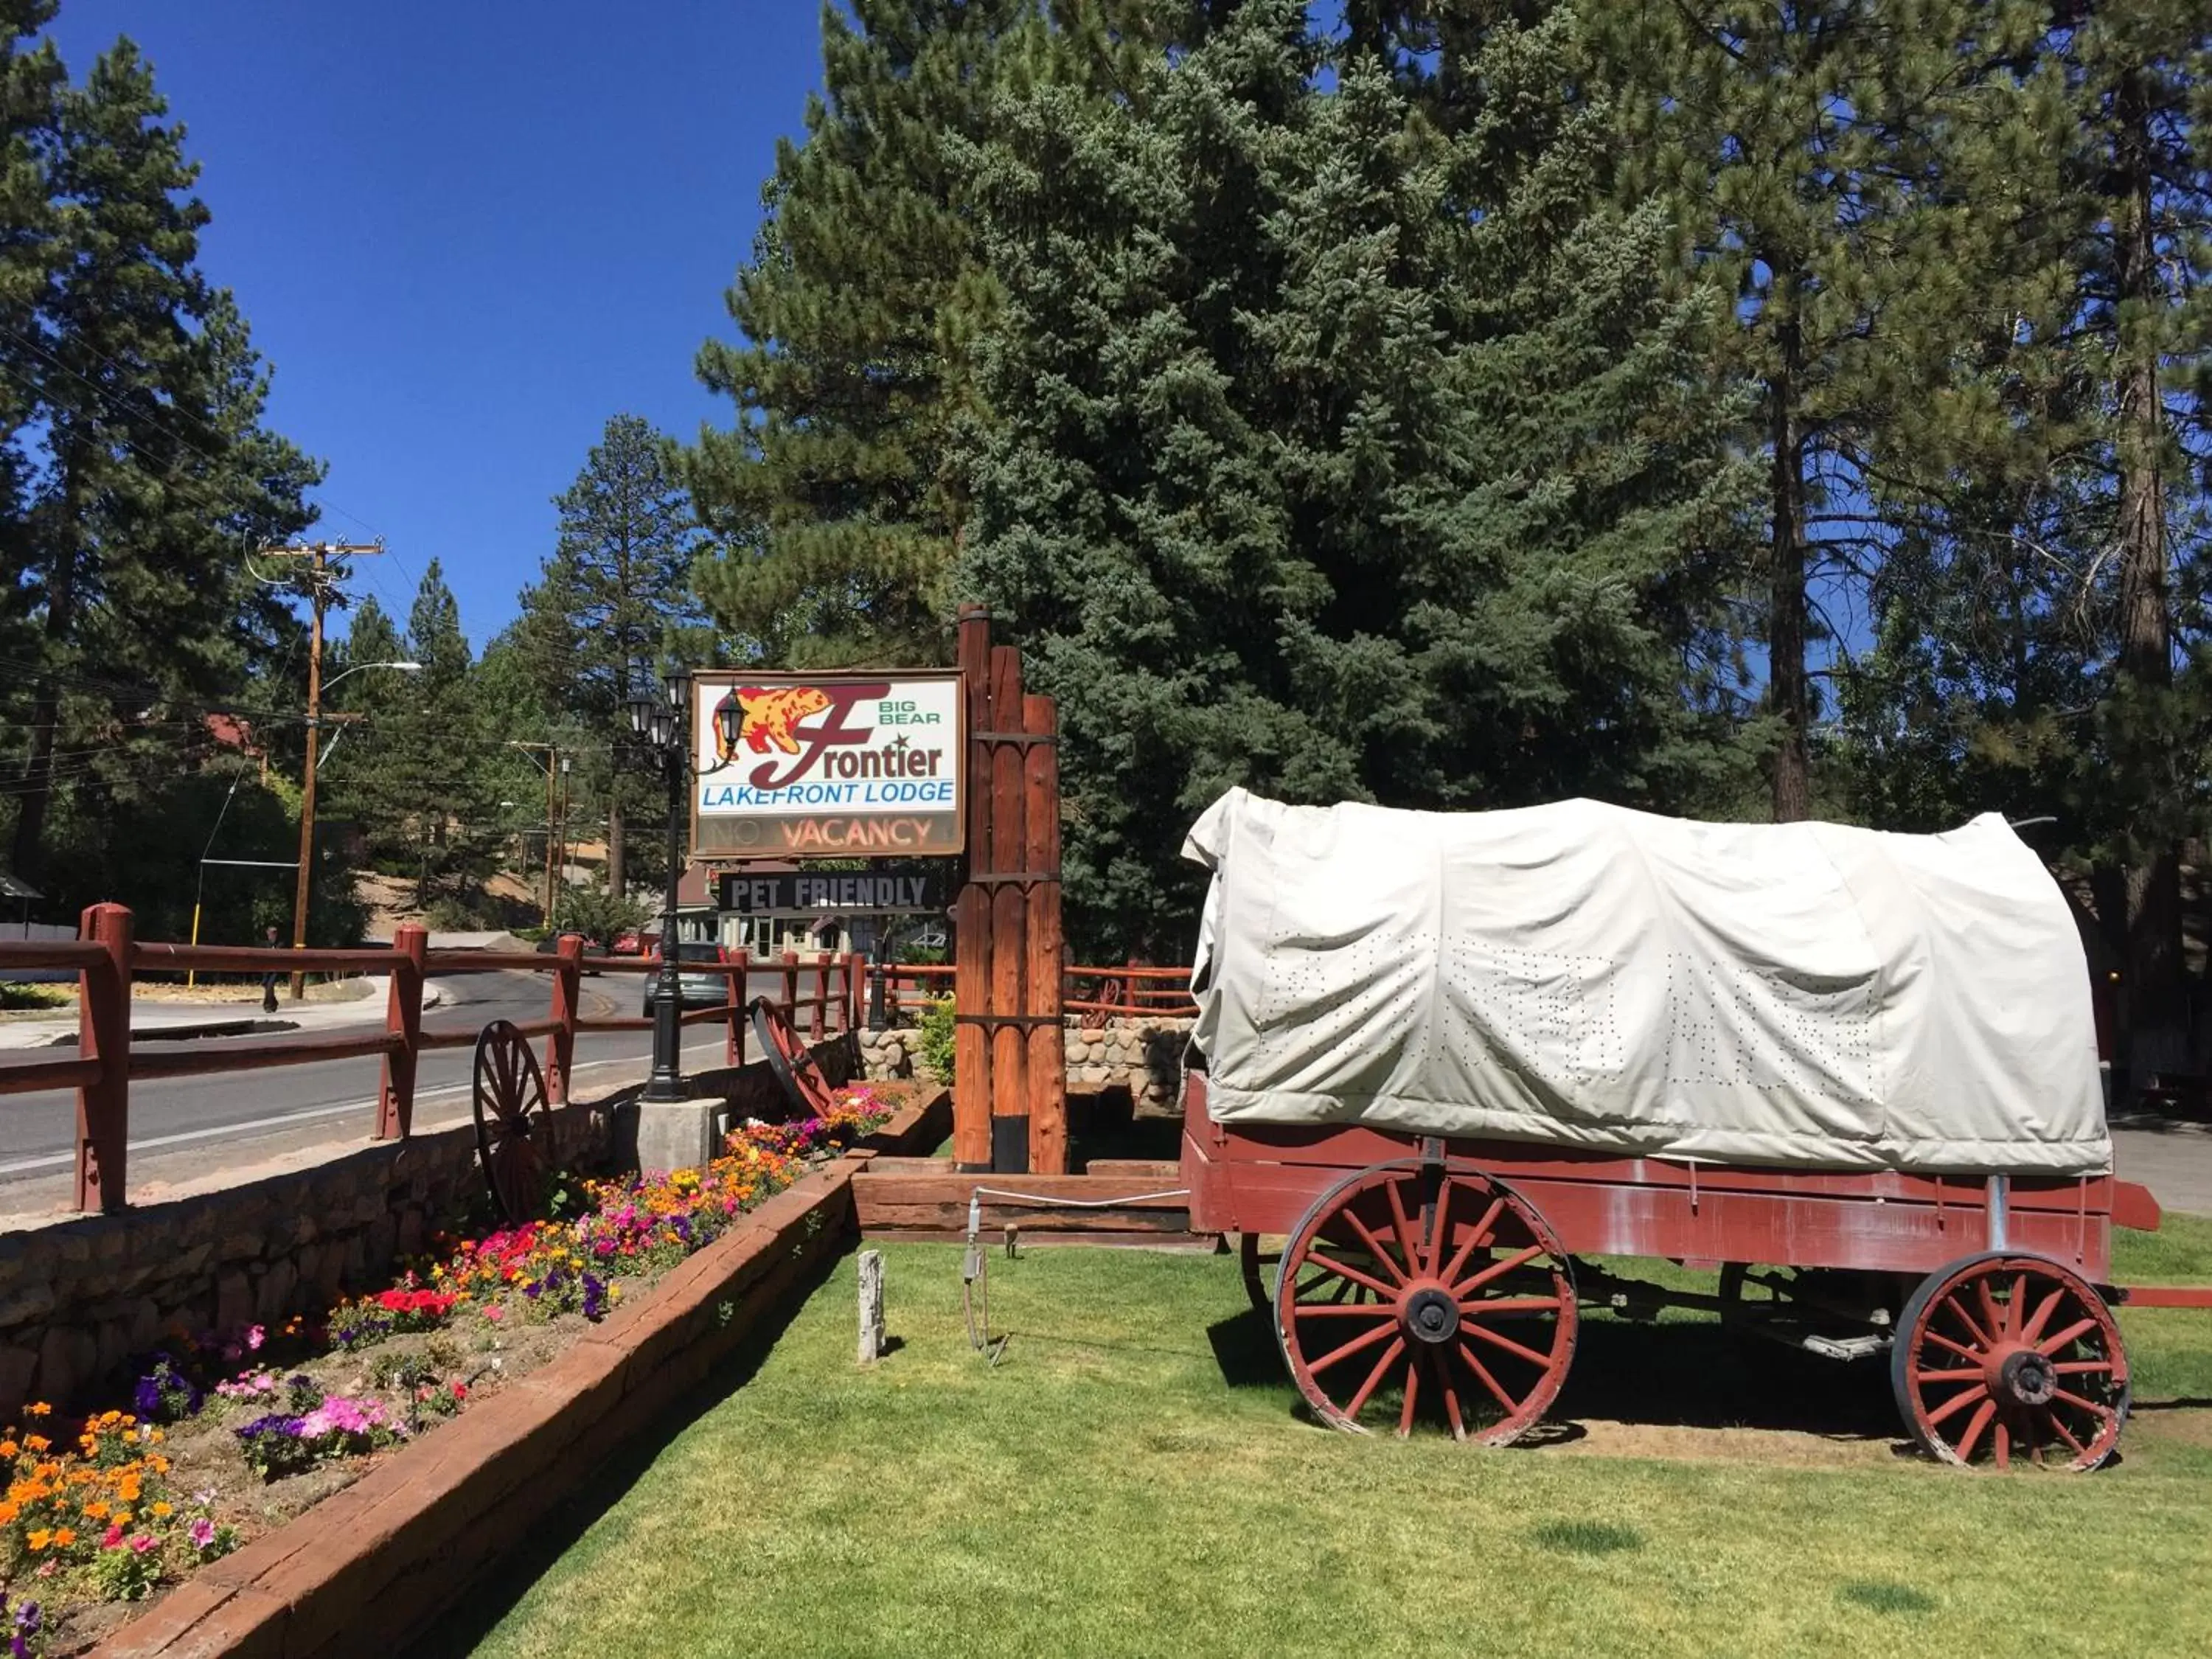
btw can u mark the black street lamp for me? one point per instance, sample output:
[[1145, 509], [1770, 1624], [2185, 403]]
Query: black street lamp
[[662, 726]]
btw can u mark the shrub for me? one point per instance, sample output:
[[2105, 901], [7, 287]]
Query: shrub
[[936, 1037]]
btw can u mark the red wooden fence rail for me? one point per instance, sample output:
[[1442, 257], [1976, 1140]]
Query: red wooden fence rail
[[106, 958]]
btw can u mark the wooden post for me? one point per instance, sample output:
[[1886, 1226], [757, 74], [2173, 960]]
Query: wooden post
[[567, 1002], [1047, 1040], [790, 989], [871, 1305], [103, 1035], [817, 1020], [971, 979], [856, 981], [402, 1018], [1010, 1106], [733, 1038]]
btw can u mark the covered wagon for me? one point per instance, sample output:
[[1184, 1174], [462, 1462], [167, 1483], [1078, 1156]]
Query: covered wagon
[[1450, 1059]]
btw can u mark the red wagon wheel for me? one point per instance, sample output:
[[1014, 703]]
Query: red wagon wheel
[[2002, 1356], [1427, 1289], [803, 1085], [513, 1121]]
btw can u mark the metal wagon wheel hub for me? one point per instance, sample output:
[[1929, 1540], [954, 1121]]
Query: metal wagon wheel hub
[[1425, 1291], [2003, 1356]]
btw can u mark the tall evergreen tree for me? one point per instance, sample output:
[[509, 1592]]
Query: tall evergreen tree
[[1812, 155], [615, 595], [833, 502], [1340, 455], [152, 477]]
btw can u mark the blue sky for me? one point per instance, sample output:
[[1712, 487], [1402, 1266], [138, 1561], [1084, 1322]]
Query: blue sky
[[465, 234]]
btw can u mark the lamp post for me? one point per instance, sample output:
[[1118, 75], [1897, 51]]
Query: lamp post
[[662, 726]]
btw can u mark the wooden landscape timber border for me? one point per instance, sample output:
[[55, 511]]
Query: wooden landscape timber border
[[368, 1569], [1125, 1201], [1010, 1090], [108, 956]]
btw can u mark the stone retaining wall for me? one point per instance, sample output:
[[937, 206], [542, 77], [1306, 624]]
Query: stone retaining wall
[[81, 1296], [1143, 1055]]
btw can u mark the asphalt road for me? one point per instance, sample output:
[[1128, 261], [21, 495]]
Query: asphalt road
[[182, 1129]]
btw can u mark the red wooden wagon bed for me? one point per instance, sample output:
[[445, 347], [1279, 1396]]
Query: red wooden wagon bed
[[1361, 969]]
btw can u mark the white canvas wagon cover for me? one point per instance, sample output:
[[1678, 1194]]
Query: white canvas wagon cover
[[1800, 995]]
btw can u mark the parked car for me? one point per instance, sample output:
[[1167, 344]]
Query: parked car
[[693, 990]]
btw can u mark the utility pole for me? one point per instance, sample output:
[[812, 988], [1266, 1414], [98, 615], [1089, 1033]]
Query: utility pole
[[552, 753], [321, 580]]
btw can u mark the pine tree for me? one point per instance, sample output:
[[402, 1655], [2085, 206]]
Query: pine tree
[[1262, 497], [1813, 156], [154, 476], [614, 598], [832, 504]]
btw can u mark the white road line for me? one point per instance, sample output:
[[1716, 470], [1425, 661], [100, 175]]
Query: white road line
[[65, 1160]]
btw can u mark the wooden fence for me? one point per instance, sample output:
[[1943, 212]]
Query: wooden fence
[[1093, 993], [106, 957]]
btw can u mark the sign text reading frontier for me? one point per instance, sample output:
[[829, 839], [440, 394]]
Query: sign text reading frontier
[[828, 763]]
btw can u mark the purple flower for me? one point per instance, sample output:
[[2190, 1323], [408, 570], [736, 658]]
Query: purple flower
[[146, 1399], [595, 1297]]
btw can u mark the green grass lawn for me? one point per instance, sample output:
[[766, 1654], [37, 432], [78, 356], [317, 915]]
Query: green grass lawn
[[1133, 1479]]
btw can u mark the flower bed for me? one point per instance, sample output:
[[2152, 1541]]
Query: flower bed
[[259, 1424]]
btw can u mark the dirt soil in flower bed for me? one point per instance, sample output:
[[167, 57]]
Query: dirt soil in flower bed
[[416, 1379]]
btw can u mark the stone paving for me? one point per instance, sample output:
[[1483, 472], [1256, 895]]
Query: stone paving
[[2174, 1160]]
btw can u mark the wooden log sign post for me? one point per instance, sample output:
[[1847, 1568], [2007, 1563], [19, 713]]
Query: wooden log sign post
[[1010, 1088]]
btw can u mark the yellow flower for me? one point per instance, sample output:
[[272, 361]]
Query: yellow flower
[[40, 1538], [162, 1511], [123, 1517]]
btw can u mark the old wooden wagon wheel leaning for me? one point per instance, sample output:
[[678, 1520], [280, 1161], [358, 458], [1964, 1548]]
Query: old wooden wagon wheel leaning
[[515, 1121], [803, 1085], [2009, 1356], [1425, 1291]]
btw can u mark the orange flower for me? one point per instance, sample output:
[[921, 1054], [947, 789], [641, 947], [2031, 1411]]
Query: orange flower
[[38, 1408], [162, 1511], [40, 1538], [96, 1511], [9, 1448], [36, 1443], [64, 1537]]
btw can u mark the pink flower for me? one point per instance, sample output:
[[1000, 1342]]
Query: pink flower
[[493, 1312], [256, 1337], [201, 1532], [144, 1543], [112, 1537]]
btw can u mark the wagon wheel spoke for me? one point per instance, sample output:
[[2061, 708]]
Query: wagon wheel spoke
[[2066, 1434], [1402, 1227], [1406, 1408], [2080, 1404], [1452, 1412], [1374, 1247], [1506, 1402], [1366, 1392], [1352, 1274], [1520, 1258], [1980, 1420], [2052, 1344], [1957, 1348], [2004, 1445], [1956, 1404], [1475, 1240], [1358, 1344], [1974, 1333], [1506, 1344], [2015, 1302], [2032, 1331]]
